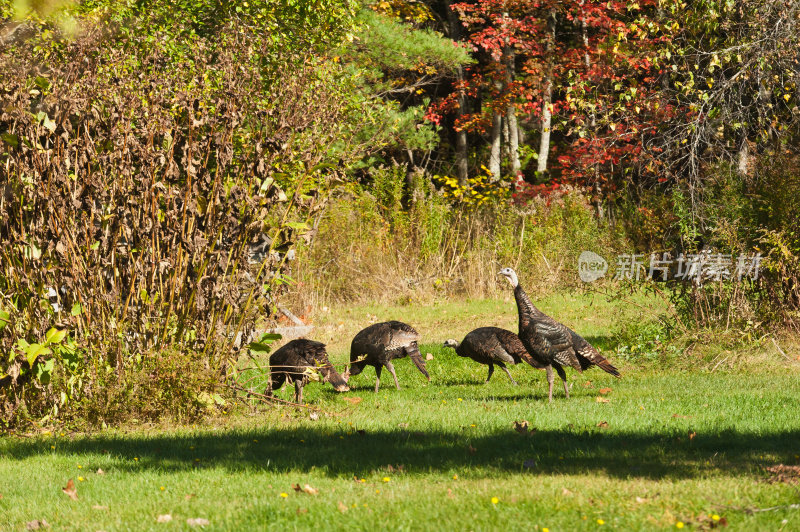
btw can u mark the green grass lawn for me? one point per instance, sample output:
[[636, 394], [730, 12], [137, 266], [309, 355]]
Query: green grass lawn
[[668, 447]]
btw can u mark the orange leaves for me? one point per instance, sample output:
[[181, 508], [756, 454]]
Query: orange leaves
[[599, 399], [70, 490], [305, 489], [352, 400]]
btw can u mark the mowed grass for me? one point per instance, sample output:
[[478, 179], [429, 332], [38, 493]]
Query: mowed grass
[[668, 447]]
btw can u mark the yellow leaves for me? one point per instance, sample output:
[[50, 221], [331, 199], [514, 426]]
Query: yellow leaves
[[599, 399]]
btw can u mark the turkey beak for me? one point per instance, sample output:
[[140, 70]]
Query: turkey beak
[[338, 381]]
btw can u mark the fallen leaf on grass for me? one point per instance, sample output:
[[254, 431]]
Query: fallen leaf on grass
[[566, 492], [786, 474], [192, 495], [395, 469], [471, 449], [37, 524], [70, 490], [603, 424], [313, 416], [197, 521], [100, 471], [308, 489], [681, 417], [450, 494], [692, 434], [352, 400], [301, 511], [164, 518], [305, 489], [429, 356], [587, 384], [523, 427], [604, 391], [99, 507], [602, 399], [640, 500], [342, 507], [403, 425]]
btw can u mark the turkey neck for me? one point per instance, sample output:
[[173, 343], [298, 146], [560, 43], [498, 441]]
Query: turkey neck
[[526, 309], [458, 351]]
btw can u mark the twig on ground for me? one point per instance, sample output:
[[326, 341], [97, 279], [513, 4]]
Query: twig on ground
[[267, 399], [781, 351]]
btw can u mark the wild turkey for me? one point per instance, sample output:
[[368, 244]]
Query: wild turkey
[[379, 344], [551, 343], [493, 345], [295, 361]]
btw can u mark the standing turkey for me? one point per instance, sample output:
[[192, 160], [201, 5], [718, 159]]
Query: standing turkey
[[551, 343], [296, 362], [493, 345], [379, 344]]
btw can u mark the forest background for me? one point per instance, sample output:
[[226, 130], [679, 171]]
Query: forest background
[[171, 173]]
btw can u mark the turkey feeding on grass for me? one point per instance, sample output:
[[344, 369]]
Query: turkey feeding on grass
[[297, 362], [551, 343], [379, 344], [493, 345]]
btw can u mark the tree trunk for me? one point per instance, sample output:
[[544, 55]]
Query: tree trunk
[[494, 157], [547, 100], [511, 115], [462, 144], [598, 188], [544, 142]]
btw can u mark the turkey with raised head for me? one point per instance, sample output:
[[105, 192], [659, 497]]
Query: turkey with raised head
[[297, 361], [493, 346], [379, 344], [551, 343]]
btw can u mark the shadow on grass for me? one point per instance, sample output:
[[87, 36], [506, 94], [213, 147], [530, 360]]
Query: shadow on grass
[[348, 451]]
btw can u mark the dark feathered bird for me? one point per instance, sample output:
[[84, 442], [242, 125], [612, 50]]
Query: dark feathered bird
[[297, 361], [492, 345], [379, 344], [551, 343]]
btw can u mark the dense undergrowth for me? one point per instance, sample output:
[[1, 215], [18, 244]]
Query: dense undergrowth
[[368, 248], [170, 173]]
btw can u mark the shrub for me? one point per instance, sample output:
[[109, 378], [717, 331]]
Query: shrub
[[139, 168]]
